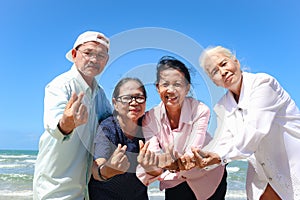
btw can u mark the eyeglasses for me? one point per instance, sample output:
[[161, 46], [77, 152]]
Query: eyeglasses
[[128, 99], [90, 54]]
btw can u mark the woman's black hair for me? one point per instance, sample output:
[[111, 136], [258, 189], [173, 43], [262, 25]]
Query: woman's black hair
[[169, 62], [116, 91]]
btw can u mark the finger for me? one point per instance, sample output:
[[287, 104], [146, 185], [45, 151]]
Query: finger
[[202, 153], [189, 162], [117, 150], [81, 114], [181, 163], [152, 158], [80, 96], [73, 98], [77, 103], [123, 159], [197, 157], [148, 155], [123, 149], [161, 161], [170, 151], [141, 144]]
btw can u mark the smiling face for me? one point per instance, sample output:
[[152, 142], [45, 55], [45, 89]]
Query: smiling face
[[224, 71], [132, 110], [90, 59], [172, 88]]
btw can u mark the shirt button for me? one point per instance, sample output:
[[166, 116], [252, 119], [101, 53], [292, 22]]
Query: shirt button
[[224, 160], [262, 164], [270, 179]]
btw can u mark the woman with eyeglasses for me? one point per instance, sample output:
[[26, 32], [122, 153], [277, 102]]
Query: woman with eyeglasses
[[173, 127], [117, 145]]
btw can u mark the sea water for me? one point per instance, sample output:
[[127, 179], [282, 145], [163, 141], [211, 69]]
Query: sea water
[[17, 168]]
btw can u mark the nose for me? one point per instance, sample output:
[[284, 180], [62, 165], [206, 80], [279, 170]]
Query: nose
[[133, 101], [222, 71], [171, 88], [93, 58]]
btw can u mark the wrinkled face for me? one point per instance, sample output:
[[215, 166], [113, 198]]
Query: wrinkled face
[[223, 71], [172, 88], [127, 104], [90, 59]]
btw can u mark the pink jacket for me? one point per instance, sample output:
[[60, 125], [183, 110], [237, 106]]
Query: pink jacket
[[191, 132]]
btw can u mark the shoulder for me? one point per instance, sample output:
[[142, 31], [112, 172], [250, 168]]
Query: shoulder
[[154, 115], [109, 121], [64, 81], [193, 105], [258, 79], [108, 125]]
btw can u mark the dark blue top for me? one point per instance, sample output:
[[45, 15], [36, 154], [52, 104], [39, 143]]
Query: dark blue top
[[123, 186]]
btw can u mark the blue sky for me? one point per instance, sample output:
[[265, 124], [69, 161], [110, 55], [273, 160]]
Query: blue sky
[[35, 36]]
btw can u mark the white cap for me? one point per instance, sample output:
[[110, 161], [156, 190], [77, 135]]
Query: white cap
[[88, 36]]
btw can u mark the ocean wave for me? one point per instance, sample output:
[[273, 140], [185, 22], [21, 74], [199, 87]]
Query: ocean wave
[[8, 193], [12, 165], [16, 177], [30, 161], [236, 194], [233, 169], [16, 156]]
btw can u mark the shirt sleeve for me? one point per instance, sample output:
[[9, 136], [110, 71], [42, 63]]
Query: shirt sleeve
[[150, 130], [104, 147], [55, 101], [199, 127]]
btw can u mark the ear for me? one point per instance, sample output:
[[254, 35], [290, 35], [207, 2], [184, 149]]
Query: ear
[[188, 87], [236, 61], [74, 53], [157, 87], [114, 101]]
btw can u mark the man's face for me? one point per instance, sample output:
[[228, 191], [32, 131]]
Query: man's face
[[90, 59]]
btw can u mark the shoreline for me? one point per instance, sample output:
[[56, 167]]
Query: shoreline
[[27, 195]]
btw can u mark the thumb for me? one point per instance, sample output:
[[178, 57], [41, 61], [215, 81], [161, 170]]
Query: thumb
[[202, 153]]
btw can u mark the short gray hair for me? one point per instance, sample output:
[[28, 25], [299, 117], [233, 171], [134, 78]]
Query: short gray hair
[[213, 50]]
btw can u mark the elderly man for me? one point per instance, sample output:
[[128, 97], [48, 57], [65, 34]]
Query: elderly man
[[74, 104]]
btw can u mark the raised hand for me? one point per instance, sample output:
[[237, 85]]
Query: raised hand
[[204, 159], [146, 158], [168, 160], [118, 162], [75, 114]]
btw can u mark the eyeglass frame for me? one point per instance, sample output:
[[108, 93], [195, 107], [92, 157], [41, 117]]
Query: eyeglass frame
[[89, 55], [119, 99]]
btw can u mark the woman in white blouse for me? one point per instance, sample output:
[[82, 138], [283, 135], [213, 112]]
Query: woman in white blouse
[[258, 120]]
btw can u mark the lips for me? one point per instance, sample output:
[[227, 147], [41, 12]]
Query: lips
[[134, 110], [227, 78], [171, 98]]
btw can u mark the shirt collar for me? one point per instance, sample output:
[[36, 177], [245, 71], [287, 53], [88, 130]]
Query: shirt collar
[[185, 116], [231, 105], [84, 86]]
